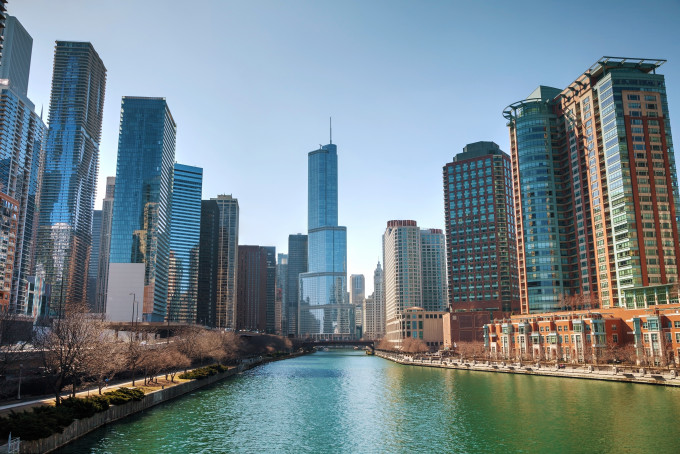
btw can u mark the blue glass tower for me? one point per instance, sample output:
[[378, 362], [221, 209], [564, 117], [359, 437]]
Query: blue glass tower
[[69, 173], [140, 228], [185, 235], [324, 312]]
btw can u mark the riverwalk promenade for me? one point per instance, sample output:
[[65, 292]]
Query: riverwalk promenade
[[616, 373]]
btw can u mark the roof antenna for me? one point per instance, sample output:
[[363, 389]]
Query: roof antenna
[[330, 122]]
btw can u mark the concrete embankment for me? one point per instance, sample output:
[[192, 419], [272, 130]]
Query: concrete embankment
[[590, 372], [81, 427]]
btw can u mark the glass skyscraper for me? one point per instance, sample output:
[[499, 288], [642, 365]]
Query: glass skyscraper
[[324, 312], [21, 145], [207, 263], [104, 246], [297, 264], [185, 232], [140, 230], [69, 173], [227, 262]]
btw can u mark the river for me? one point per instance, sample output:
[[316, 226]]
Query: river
[[345, 401]]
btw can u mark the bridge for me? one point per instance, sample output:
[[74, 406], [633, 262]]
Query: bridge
[[308, 343]]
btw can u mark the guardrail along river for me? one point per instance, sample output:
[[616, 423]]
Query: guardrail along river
[[345, 401]]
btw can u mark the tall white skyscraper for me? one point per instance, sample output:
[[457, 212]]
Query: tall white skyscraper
[[374, 308]]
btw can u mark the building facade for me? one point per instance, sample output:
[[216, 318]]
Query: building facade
[[374, 308], [251, 300], [104, 246], [69, 175], [93, 269], [595, 188], [435, 295], [9, 214], [208, 253], [357, 289], [324, 311], [297, 264], [227, 262], [480, 230], [140, 230], [22, 134], [281, 276], [185, 233]]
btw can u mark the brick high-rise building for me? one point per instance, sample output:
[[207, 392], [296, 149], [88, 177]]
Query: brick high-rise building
[[595, 189], [480, 230]]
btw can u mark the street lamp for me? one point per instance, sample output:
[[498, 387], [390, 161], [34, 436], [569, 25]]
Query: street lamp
[[134, 300], [21, 368]]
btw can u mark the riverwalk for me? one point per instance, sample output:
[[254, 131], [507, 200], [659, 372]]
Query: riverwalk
[[616, 373]]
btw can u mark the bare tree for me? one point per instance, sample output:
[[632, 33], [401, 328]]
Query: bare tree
[[172, 361], [13, 338], [106, 357], [132, 353], [412, 345], [63, 346], [385, 344]]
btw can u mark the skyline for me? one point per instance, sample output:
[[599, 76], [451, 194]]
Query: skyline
[[401, 109]]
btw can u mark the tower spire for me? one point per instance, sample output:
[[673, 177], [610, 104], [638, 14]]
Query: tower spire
[[330, 123]]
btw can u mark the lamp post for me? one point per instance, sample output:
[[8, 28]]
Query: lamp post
[[21, 368]]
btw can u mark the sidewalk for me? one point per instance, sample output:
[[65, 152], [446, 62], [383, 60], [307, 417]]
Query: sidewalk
[[28, 404]]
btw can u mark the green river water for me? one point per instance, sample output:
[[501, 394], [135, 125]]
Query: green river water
[[345, 401]]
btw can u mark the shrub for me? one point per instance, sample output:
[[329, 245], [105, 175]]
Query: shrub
[[123, 395], [203, 372]]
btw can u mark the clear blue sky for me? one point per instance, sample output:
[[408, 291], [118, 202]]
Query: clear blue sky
[[251, 85]]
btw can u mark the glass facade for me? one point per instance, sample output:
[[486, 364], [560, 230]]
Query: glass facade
[[105, 246], [69, 173], [16, 56], [140, 227], [227, 262], [324, 312], [435, 296], [207, 263], [185, 230], [93, 269], [595, 187], [297, 264]]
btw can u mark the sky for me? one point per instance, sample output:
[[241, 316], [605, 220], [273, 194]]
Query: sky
[[252, 84]]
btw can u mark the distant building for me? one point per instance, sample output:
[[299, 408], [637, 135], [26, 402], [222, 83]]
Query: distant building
[[297, 264], [140, 231], [9, 211], [281, 281], [374, 308], [208, 259], [357, 289], [185, 232], [270, 295], [69, 174], [324, 310], [93, 269], [104, 246], [22, 134], [410, 275], [251, 301], [227, 262]]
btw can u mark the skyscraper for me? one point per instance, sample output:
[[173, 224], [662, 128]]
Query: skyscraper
[[374, 308], [93, 269], [596, 191], [70, 169], [281, 276], [141, 207], [15, 65], [105, 246], [227, 262], [480, 230], [185, 232], [208, 252], [270, 295], [255, 285], [324, 310], [414, 276], [358, 289], [297, 264], [21, 145]]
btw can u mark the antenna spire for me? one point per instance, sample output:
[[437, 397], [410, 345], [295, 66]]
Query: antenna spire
[[330, 122]]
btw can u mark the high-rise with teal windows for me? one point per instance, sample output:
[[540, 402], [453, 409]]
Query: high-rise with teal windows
[[596, 190], [140, 230], [69, 173], [185, 233], [324, 309]]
